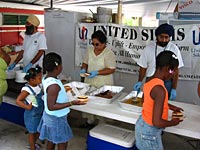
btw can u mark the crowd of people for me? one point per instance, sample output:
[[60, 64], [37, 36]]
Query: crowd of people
[[47, 105]]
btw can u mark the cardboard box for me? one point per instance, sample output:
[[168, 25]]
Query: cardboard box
[[189, 6], [109, 137]]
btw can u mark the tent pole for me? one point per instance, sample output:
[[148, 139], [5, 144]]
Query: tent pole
[[119, 12], [51, 4]]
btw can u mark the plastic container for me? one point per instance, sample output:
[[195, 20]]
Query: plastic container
[[109, 137], [104, 11], [20, 76], [104, 18]]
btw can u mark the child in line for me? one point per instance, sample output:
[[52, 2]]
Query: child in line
[[54, 126], [30, 99], [198, 89], [154, 118]]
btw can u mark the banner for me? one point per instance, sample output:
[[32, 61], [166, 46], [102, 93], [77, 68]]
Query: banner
[[128, 43]]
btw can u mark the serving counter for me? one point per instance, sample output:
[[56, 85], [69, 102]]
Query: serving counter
[[189, 127]]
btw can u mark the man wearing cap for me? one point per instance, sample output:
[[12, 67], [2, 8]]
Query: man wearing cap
[[148, 57], [33, 47]]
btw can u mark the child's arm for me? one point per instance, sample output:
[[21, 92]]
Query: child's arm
[[21, 98], [52, 94], [158, 94], [198, 89], [175, 108]]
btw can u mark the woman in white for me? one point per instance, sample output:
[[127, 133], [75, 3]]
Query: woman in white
[[99, 62]]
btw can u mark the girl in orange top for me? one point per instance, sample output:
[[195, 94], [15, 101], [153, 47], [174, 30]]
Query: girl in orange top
[[154, 118]]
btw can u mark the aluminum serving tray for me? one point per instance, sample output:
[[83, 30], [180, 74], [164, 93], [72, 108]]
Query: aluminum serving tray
[[79, 88], [113, 89], [131, 107]]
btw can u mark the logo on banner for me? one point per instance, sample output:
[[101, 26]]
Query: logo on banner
[[194, 37], [83, 33]]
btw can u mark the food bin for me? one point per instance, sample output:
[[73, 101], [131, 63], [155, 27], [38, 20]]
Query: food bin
[[127, 104], [109, 137], [79, 88], [114, 90]]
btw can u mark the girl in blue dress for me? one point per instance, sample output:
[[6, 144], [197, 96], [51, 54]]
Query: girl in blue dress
[[54, 126], [30, 99]]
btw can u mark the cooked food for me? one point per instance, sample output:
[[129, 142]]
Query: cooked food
[[177, 114], [106, 94], [68, 88], [63, 81], [133, 101], [83, 98], [84, 74]]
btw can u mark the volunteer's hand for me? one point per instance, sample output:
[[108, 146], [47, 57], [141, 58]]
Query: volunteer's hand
[[173, 94], [27, 67], [82, 71], [11, 67], [93, 74], [137, 86]]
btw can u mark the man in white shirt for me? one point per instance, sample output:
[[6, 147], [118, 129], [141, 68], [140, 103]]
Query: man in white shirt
[[148, 57], [34, 45]]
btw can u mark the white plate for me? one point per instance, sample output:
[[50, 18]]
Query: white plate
[[18, 81]]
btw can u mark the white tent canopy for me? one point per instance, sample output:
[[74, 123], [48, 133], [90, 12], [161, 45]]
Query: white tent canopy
[[136, 8]]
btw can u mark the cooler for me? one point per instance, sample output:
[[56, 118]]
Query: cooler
[[109, 137]]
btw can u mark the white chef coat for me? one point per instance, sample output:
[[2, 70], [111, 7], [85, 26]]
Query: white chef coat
[[31, 45], [148, 57]]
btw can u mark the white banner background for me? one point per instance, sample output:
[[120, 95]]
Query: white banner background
[[128, 43]]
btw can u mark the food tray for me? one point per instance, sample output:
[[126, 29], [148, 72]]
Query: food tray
[[78, 85], [114, 89], [79, 88], [131, 107]]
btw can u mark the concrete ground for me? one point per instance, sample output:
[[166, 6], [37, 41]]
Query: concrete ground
[[13, 137]]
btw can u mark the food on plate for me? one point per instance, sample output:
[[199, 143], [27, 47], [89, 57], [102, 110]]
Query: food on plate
[[68, 88], [105, 94], [133, 101], [84, 74], [63, 81], [83, 98], [177, 114]]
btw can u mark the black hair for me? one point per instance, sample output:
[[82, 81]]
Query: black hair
[[51, 61], [167, 58], [99, 35], [32, 73]]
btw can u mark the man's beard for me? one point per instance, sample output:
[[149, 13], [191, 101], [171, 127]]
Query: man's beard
[[29, 30], [162, 44]]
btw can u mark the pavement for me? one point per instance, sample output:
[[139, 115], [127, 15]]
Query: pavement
[[14, 137]]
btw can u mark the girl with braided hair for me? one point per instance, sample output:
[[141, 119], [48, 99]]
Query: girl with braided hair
[[54, 126], [30, 99]]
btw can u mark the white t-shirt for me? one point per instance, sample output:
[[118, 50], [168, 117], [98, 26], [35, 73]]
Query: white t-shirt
[[31, 45], [31, 97], [148, 57]]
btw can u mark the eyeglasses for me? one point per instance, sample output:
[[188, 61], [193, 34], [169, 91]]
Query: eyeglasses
[[95, 44]]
